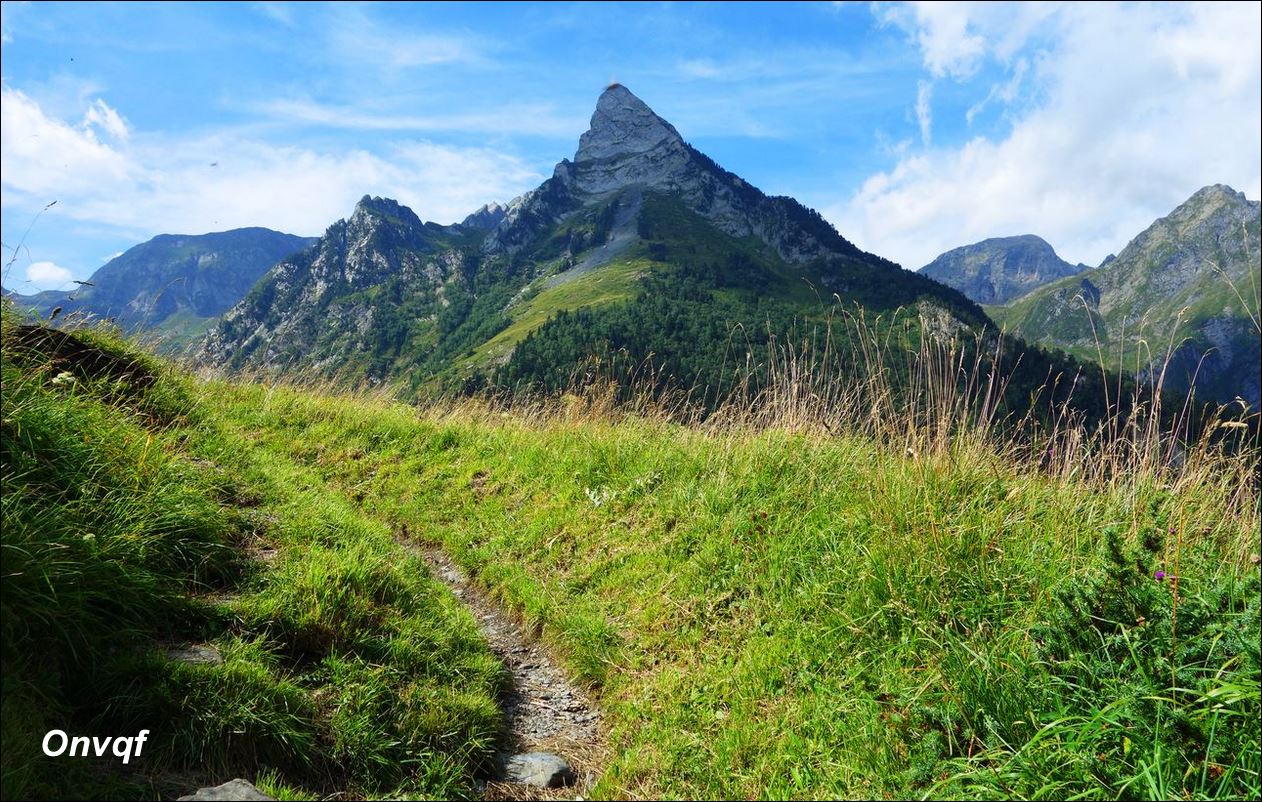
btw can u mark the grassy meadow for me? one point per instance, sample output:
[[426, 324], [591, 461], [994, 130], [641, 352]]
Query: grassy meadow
[[812, 594]]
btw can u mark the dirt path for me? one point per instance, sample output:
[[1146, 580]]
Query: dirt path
[[544, 712]]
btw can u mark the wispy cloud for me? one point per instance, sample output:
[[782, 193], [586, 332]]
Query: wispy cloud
[[359, 36], [699, 68], [924, 112], [277, 12], [1005, 92], [943, 32], [541, 119]]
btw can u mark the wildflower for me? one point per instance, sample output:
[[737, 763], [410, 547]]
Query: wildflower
[[1160, 576]]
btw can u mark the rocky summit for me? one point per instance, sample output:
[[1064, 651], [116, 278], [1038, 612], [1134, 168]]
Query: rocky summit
[[626, 144], [629, 150], [997, 270]]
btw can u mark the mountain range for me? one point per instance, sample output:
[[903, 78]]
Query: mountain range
[[641, 249], [174, 285], [1179, 304], [640, 246]]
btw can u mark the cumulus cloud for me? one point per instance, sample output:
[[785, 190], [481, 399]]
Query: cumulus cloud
[[47, 276], [1133, 108], [146, 183]]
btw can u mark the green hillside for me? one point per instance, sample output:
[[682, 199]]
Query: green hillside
[[805, 596], [137, 527]]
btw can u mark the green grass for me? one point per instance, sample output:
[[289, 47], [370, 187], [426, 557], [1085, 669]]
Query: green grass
[[783, 610], [780, 615], [133, 520]]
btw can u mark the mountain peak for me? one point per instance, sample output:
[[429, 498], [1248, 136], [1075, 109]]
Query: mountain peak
[[488, 217], [622, 127], [997, 270], [385, 209], [1215, 191]]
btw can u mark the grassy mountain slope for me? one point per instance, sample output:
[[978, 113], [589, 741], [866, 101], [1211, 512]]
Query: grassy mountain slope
[[813, 597], [770, 613], [1184, 293]]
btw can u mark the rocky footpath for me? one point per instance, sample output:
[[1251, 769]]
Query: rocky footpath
[[554, 745]]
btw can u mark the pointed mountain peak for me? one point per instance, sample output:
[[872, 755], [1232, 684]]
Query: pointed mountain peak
[[623, 125], [1215, 206]]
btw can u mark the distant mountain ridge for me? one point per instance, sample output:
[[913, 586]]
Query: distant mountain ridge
[[998, 270], [174, 284], [1190, 279]]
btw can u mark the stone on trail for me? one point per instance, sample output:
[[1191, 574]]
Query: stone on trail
[[195, 654], [541, 769], [233, 789]]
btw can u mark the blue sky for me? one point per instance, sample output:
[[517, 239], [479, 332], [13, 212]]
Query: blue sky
[[913, 127]]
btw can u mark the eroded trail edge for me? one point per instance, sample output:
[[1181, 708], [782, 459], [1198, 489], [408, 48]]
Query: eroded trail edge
[[543, 710]]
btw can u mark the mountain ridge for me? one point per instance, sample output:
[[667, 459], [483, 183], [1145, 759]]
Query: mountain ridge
[[1189, 280], [172, 285], [640, 250]]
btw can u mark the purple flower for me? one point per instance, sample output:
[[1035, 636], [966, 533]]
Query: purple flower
[[1160, 576]]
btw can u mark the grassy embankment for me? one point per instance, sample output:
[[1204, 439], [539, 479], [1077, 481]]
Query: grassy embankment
[[133, 522], [789, 601]]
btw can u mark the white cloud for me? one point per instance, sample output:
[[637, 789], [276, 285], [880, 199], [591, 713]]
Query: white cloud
[[101, 116], [942, 31], [47, 275], [924, 113], [43, 156], [1138, 107], [146, 183]]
